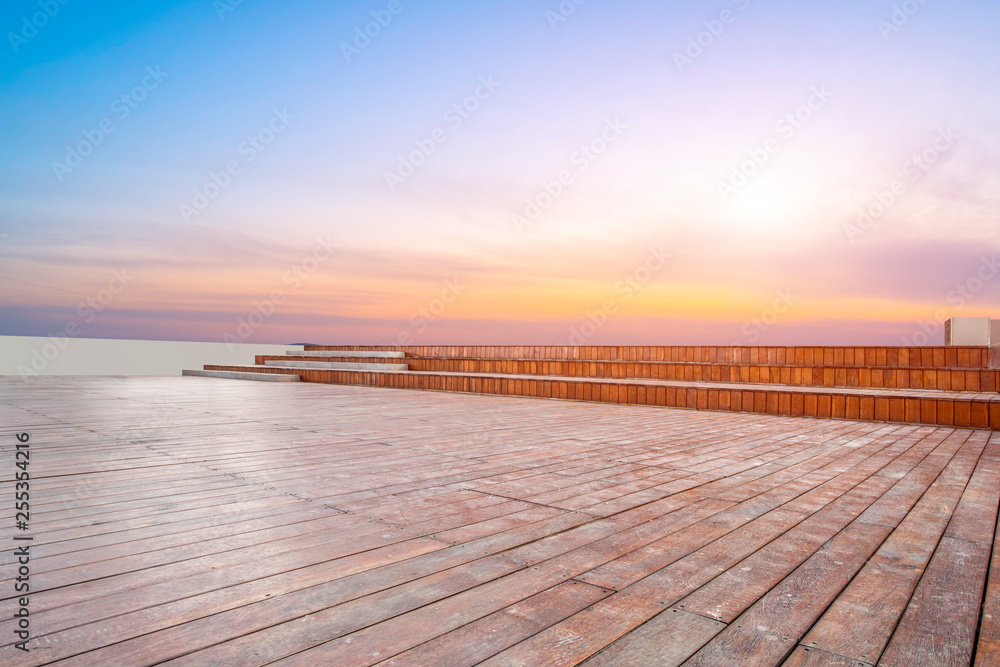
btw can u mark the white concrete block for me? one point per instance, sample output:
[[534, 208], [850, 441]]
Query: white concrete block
[[967, 331]]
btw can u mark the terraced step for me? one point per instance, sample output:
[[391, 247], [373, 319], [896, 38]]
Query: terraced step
[[947, 408], [242, 375], [333, 365], [383, 354], [867, 356], [948, 379]]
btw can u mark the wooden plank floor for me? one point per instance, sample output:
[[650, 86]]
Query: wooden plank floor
[[194, 521]]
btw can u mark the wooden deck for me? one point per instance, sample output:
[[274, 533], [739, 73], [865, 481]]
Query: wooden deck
[[194, 521]]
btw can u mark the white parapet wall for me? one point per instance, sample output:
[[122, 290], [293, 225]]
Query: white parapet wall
[[970, 331], [28, 355]]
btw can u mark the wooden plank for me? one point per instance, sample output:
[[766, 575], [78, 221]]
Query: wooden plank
[[481, 639], [370, 645], [629, 568], [666, 640], [988, 646], [586, 633], [100, 623], [77, 567], [475, 530], [647, 559], [262, 637], [940, 622], [740, 586], [862, 619], [770, 630], [803, 656]]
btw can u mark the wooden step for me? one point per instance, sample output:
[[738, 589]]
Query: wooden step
[[868, 356], [946, 408], [382, 354], [948, 379], [333, 365], [242, 375]]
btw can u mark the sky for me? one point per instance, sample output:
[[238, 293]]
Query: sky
[[500, 172]]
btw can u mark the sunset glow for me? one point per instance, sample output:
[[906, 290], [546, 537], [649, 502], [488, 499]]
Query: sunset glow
[[500, 172]]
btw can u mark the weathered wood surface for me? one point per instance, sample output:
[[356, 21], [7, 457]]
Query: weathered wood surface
[[189, 521]]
